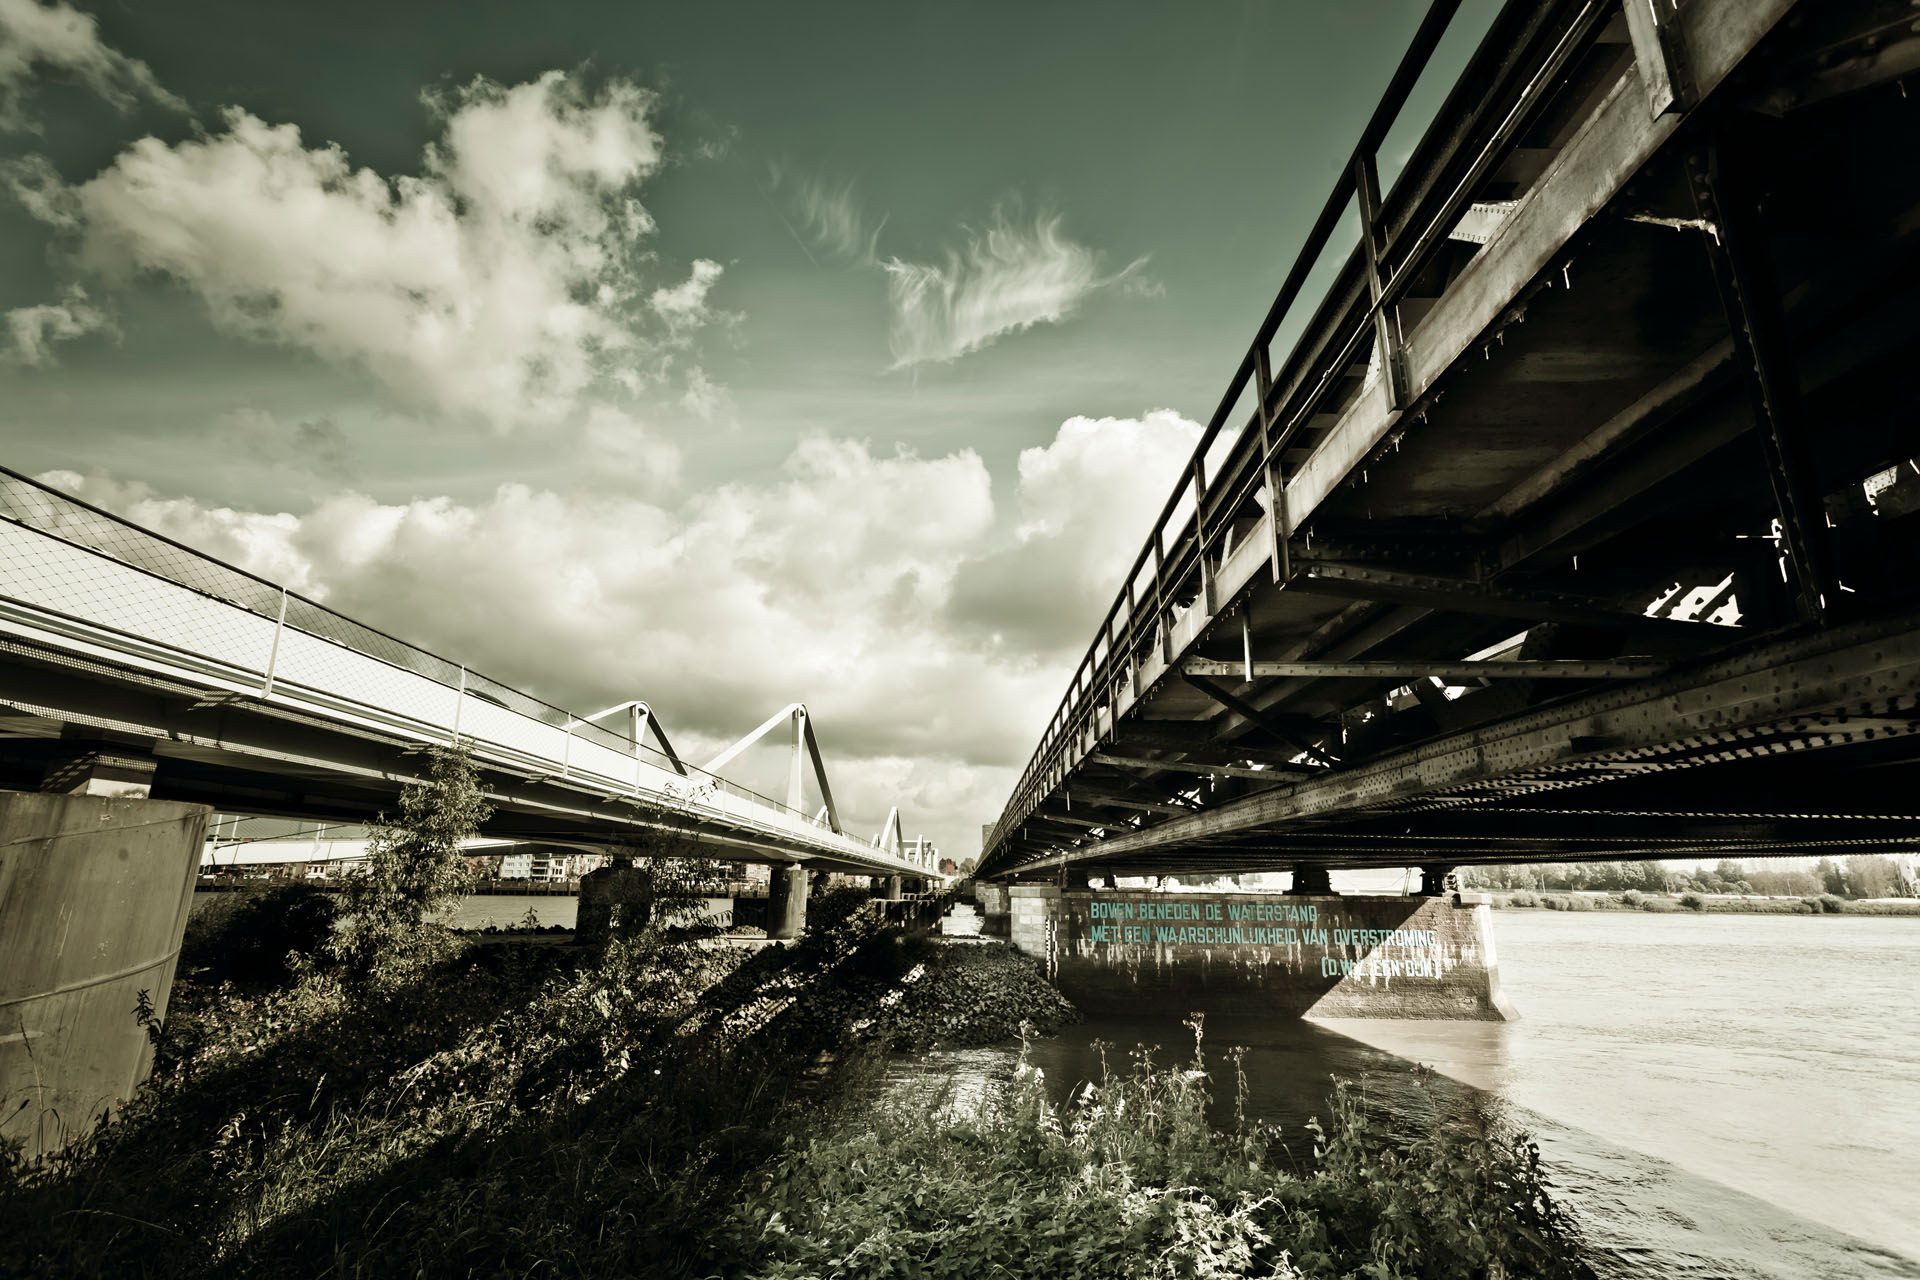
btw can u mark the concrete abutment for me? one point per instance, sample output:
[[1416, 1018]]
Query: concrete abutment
[[94, 896], [1293, 955]]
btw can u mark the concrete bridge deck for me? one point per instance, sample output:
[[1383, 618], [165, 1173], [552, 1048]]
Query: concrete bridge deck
[[1577, 520]]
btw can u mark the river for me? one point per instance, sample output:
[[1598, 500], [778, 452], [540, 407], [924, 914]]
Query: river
[[1714, 1095]]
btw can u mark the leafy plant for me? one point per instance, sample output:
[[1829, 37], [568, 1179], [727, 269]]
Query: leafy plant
[[414, 870], [248, 936]]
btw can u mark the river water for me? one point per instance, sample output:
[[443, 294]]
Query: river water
[[1714, 1095]]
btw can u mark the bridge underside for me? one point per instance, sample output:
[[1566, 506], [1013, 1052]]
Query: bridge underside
[[1598, 540], [245, 757]]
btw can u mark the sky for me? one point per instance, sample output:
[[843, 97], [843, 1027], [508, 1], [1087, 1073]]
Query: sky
[[718, 355]]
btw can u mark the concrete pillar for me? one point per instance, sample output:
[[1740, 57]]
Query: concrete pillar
[[1311, 881], [94, 896], [896, 887], [616, 899], [1433, 880], [787, 902]]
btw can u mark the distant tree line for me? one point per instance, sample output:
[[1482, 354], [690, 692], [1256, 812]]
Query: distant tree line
[[1869, 875]]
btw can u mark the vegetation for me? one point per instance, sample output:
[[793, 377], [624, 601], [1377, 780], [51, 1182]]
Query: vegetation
[[414, 871], [254, 938], [1859, 876], [1129, 1180]]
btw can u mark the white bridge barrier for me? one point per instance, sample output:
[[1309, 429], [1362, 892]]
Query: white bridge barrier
[[81, 582]]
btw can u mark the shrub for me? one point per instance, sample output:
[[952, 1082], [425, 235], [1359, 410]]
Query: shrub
[[1656, 905], [1521, 898], [246, 937], [1633, 898], [835, 907], [1693, 902], [1832, 904], [1579, 902], [414, 870]]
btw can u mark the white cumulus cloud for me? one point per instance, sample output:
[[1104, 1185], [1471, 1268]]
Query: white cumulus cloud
[[928, 632], [499, 284]]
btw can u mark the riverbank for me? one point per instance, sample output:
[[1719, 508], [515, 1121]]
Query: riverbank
[[1697, 903], [671, 1109]]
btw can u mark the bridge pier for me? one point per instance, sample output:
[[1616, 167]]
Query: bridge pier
[[1433, 880], [615, 898], [1288, 955], [94, 895], [1311, 880], [787, 901]]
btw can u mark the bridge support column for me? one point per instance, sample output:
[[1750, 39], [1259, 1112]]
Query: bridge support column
[[896, 887], [1311, 880], [787, 901], [94, 895], [1433, 880], [1074, 876], [618, 898]]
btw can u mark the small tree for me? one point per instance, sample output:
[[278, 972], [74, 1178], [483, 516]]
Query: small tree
[[414, 868]]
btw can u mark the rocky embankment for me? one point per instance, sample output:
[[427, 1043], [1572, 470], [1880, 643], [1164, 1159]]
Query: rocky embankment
[[972, 993]]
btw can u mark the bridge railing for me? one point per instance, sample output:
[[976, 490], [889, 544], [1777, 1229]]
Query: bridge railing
[[1522, 62], [143, 595]]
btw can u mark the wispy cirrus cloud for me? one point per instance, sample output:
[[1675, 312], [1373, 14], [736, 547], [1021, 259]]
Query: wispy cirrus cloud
[[36, 39], [828, 219], [1005, 278], [1011, 275]]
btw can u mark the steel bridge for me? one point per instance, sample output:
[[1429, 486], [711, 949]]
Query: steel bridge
[[1577, 518], [124, 654]]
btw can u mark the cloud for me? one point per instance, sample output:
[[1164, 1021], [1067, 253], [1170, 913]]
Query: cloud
[[1007, 278], [684, 306], [500, 284], [828, 219], [704, 398], [315, 446], [928, 632], [1086, 503], [621, 447], [31, 332], [57, 38]]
